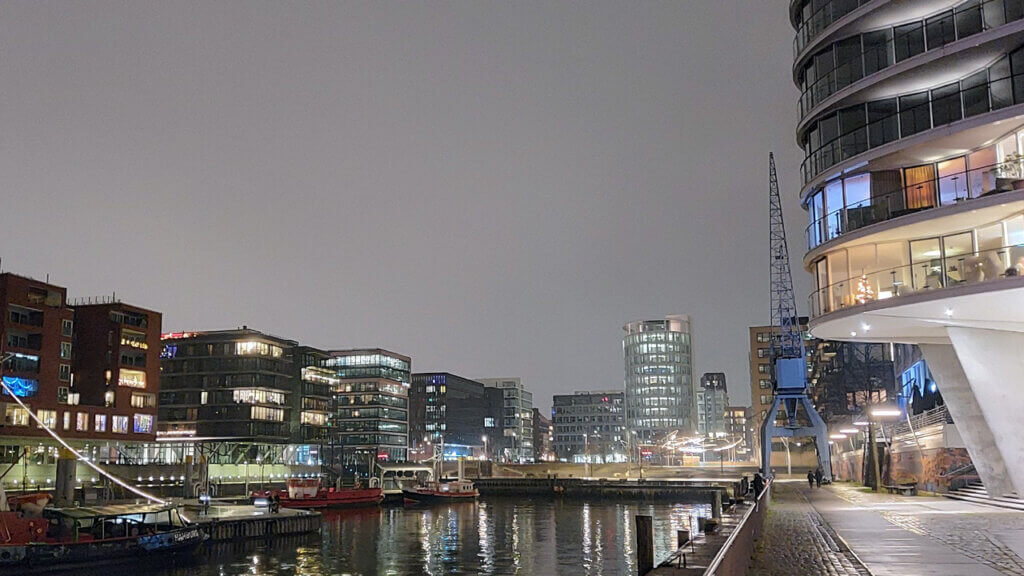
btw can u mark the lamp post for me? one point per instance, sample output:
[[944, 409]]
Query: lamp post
[[484, 438], [877, 413], [586, 455]]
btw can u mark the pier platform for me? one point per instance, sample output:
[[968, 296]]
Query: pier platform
[[227, 522]]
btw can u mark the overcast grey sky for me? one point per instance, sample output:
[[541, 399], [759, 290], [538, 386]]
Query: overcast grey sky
[[493, 188]]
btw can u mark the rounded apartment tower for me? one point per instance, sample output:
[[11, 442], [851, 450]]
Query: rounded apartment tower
[[912, 126], [659, 378]]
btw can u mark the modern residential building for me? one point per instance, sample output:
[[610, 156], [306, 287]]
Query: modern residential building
[[312, 407], [372, 397], [739, 428], [912, 124], [517, 419], [543, 436], [117, 365], [660, 396], [86, 374], [445, 406], [590, 427], [236, 385], [712, 399]]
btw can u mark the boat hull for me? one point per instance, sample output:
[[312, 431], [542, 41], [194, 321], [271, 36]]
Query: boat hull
[[53, 556], [431, 497], [338, 499]]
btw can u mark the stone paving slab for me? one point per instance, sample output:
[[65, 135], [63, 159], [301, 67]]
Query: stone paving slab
[[797, 541]]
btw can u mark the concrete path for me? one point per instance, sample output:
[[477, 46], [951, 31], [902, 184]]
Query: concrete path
[[843, 530], [922, 535]]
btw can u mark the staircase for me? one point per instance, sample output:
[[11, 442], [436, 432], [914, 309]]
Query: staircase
[[975, 492]]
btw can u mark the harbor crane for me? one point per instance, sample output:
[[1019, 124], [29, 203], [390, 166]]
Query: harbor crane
[[787, 355]]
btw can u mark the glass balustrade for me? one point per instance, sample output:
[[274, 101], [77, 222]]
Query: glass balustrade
[[946, 269]]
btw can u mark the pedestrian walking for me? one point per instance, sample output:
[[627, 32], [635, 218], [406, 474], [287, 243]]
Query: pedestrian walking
[[758, 485], [810, 479], [817, 477]]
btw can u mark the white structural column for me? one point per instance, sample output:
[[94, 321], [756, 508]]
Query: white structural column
[[967, 414], [994, 366]]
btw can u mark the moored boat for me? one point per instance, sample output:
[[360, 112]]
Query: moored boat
[[458, 490], [307, 493], [70, 538]]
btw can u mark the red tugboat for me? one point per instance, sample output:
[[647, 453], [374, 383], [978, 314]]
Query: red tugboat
[[307, 493]]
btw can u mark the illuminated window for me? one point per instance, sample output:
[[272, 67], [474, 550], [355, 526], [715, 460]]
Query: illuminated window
[[131, 378], [265, 413], [108, 398], [100, 422], [257, 396], [144, 400], [204, 396], [143, 423], [257, 349], [47, 418], [119, 424], [314, 418], [67, 420], [134, 339], [82, 422]]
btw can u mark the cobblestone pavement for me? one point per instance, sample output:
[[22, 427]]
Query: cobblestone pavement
[[797, 541], [977, 534]]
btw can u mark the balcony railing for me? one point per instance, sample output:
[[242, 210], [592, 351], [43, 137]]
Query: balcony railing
[[942, 271], [907, 41], [910, 114], [821, 19], [937, 415], [943, 190]]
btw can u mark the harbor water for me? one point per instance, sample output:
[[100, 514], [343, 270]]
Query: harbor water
[[491, 536]]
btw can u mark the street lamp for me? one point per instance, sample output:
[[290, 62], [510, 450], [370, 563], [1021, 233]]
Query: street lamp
[[484, 438], [878, 413]]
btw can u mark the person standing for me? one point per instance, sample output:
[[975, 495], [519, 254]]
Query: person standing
[[758, 485], [810, 479], [817, 477]]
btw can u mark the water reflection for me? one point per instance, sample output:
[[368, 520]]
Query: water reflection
[[494, 536]]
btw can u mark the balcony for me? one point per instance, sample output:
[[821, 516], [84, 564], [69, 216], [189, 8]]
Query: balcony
[[928, 276], [819, 20], [946, 188], [864, 55]]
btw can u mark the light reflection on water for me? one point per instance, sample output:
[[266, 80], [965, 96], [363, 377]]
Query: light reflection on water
[[494, 536]]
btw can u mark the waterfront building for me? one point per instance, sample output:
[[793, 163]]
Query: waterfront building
[[543, 432], [517, 419], [235, 385], [312, 407], [912, 124], [372, 398], [712, 399], [659, 391], [590, 427], [739, 428], [445, 406]]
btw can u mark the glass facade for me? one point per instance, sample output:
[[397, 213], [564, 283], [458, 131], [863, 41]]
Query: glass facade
[[659, 378], [371, 422], [590, 427]]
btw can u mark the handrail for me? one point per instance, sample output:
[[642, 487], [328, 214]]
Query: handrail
[[804, 36], [811, 95], [720, 556], [895, 200], [935, 269], [860, 137], [958, 471]]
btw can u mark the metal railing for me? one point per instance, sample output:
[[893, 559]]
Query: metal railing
[[906, 41], [935, 273], [937, 415], [943, 190], [932, 109], [821, 19], [734, 555]]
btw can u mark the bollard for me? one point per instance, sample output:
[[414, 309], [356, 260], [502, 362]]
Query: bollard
[[644, 544], [716, 506]]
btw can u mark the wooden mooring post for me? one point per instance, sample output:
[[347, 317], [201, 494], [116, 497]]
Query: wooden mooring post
[[644, 544]]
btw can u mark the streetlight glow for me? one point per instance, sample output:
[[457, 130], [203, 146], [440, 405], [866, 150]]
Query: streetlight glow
[[885, 412]]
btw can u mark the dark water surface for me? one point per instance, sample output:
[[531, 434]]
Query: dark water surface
[[493, 536]]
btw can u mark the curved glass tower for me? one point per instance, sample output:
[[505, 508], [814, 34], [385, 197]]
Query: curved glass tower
[[659, 378], [912, 126]]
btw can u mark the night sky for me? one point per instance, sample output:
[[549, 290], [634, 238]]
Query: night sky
[[491, 188]]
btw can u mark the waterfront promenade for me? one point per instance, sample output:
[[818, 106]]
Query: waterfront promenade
[[842, 530]]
